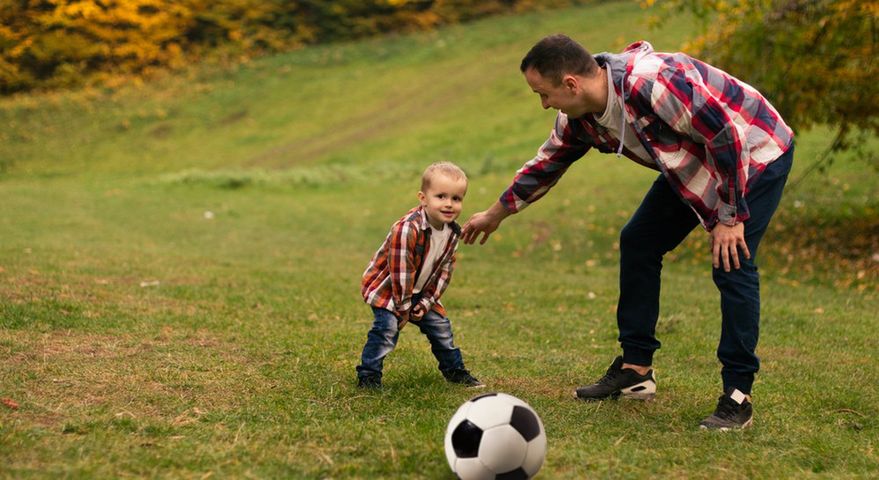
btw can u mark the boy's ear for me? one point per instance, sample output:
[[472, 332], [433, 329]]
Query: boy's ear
[[421, 197]]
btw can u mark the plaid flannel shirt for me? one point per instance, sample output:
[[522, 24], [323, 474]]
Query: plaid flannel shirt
[[390, 277], [709, 133]]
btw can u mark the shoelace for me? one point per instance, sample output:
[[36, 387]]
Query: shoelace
[[726, 408], [609, 376]]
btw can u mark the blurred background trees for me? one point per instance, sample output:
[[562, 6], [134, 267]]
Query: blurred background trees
[[815, 59], [48, 44]]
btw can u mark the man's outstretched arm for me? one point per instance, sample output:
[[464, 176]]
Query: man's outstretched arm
[[484, 222]]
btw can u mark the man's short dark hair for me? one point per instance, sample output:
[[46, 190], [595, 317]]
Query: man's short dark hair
[[558, 55]]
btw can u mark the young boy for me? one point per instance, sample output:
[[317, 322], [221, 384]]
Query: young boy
[[409, 273]]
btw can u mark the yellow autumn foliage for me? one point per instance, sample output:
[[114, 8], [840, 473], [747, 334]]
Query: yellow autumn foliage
[[61, 43]]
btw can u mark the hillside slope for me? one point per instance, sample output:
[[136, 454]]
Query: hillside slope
[[455, 93]]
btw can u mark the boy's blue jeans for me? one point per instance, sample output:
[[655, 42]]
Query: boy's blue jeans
[[383, 336], [658, 226]]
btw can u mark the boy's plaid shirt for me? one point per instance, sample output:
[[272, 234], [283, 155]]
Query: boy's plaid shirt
[[390, 277], [707, 132]]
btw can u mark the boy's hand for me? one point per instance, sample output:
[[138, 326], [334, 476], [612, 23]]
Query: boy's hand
[[418, 312], [402, 319]]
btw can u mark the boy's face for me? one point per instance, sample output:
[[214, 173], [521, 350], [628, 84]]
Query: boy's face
[[443, 199]]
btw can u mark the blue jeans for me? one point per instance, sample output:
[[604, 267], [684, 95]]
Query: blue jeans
[[658, 226], [383, 336]]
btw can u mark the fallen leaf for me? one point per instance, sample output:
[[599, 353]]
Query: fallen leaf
[[9, 403]]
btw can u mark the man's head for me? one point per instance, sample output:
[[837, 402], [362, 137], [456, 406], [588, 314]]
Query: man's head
[[443, 186], [558, 55], [565, 76]]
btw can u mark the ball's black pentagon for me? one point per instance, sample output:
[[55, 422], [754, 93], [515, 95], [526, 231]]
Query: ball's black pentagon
[[480, 397], [517, 474], [525, 422], [465, 439]]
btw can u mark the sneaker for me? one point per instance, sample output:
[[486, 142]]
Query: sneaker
[[620, 382], [733, 412], [369, 381], [463, 377]]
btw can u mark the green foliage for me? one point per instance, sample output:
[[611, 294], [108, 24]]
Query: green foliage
[[814, 59], [62, 43]]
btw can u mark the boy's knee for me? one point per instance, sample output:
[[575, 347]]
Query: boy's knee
[[386, 323]]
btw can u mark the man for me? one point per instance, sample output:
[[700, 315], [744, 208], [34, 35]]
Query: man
[[724, 154]]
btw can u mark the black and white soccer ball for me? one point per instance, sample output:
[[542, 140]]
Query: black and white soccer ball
[[495, 435]]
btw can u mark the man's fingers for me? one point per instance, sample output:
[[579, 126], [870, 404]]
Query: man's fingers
[[484, 238], [734, 253], [724, 256], [467, 233], [744, 247]]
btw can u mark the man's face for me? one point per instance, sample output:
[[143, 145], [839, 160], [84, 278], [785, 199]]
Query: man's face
[[562, 97]]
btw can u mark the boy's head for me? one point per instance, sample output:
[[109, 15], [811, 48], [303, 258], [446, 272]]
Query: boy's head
[[443, 186]]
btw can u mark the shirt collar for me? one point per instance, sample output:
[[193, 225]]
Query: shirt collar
[[425, 223]]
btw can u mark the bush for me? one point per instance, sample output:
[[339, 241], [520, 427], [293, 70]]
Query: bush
[[47, 44]]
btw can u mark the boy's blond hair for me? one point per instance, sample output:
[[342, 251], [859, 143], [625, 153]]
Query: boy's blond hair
[[446, 168]]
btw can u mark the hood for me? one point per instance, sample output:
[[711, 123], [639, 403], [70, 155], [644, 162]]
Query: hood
[[619, 62], [621, 65]]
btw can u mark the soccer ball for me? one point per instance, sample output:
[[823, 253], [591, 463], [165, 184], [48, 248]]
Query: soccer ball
[[495, 435]]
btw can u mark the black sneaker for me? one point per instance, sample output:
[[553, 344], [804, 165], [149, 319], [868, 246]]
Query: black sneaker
[[733, 412], [463, 377], [620, 382], [370, 381]]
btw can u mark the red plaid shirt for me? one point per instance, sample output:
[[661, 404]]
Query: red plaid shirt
[[709, 133], [390, 277]]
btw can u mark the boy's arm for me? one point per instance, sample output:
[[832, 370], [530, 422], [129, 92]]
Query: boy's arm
[[401, 263]]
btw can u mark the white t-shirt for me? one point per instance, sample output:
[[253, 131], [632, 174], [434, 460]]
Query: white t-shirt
[[438, 241], [612, 118]]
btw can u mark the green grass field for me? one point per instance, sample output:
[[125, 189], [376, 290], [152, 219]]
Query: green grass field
[[180, 267]]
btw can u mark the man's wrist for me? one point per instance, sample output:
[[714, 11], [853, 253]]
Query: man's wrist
[[499, 211]]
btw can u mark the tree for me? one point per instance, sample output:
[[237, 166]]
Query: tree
[[814, 59]]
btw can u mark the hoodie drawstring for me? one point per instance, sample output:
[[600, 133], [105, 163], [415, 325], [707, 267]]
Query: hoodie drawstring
[[622, 114]]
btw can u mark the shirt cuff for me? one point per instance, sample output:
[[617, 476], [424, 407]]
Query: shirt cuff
[[726, 214]]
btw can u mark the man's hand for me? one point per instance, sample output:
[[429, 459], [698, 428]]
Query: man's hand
[[483, 222], [417, 313], [725, 242]]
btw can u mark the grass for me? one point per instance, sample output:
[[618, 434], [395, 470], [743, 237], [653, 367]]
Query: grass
[[180, 264]]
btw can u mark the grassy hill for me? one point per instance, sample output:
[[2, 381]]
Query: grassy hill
[[180, 265]]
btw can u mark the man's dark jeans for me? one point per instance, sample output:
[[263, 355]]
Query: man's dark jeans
[[658, 226]]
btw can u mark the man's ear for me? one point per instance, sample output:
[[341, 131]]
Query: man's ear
[[570, 82]]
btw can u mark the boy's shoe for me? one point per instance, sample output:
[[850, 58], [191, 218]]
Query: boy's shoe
[[463, 377], [733, 412], [620, 382], [369, 381]]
